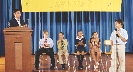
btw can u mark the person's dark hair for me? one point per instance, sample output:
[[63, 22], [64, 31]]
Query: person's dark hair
[[120, 21], [45, 31], [80, 31], [62, 33], [15, 10], [93, 33]]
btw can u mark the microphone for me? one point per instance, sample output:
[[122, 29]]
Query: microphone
[[116, 34]]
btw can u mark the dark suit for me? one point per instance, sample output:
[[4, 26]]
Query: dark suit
[[14, 23]]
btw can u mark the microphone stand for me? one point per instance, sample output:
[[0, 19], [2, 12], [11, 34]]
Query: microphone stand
[[116, 56]]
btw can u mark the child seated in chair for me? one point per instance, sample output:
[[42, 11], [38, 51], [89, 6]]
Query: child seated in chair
[[94, 45], [80, 44], [46, 46], [62, 49]]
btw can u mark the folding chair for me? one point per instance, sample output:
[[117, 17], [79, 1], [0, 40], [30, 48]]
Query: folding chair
[[41, 59], [57, 61], [75, 60], [107, 43]]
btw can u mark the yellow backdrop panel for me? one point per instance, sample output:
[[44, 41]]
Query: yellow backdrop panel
[[71, 5]]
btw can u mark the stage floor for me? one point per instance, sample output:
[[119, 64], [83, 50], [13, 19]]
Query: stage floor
[[45, 66]]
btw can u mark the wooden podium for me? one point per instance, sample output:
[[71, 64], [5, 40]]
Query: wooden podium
[[18, 49]]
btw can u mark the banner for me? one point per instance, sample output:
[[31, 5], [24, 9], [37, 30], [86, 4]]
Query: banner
[[71, 5]]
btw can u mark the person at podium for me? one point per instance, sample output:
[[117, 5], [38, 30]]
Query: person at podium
[[46, 45], [16, 21]]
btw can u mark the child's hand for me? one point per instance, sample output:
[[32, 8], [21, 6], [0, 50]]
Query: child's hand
[[46, 44], [96, 43], [77, 45], [81, 43], [42, 46], [59, 41], [93, 43]]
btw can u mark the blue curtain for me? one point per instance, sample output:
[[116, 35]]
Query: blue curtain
[[69, 23]]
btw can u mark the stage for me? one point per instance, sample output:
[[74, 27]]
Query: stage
[[102, 67]]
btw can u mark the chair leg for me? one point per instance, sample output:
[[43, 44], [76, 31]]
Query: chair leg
[[68, 63], [75, 60], [105, 67], [102, 63], [90, 60], [106, 62], [57, 62], [40, 60], [86, 64]]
